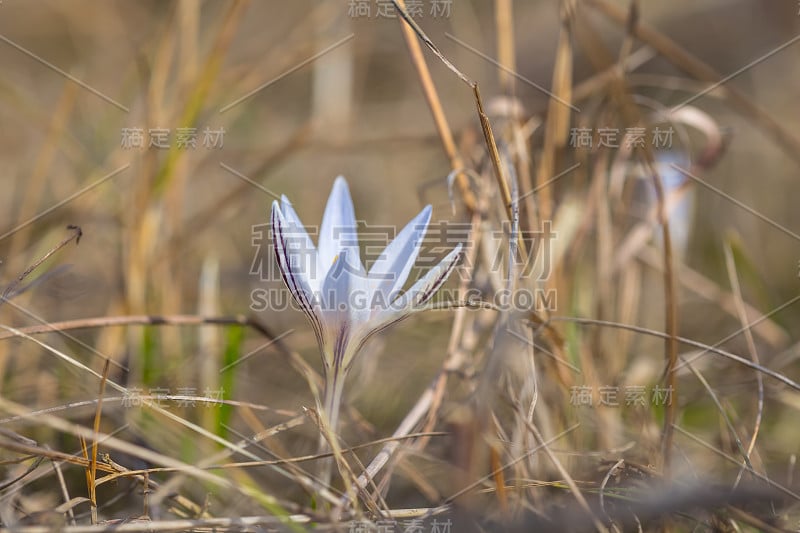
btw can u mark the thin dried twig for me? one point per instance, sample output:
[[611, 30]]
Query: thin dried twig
[[92, 470], [736, 289], [706, 348], [435, 104], [11, 290]]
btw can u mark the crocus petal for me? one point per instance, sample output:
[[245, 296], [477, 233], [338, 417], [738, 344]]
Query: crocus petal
[[424, 289], [361, 296], [288, 212], [339, 230], [419, 293], [286, 253], [296, 232], [391, 269], [341, 314]]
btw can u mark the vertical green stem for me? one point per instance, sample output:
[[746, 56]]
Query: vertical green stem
[[334, 385]]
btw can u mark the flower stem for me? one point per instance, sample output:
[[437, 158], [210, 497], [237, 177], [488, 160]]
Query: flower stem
[[334, 385]]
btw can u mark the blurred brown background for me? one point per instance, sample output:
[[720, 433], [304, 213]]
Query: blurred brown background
[[76, 73]]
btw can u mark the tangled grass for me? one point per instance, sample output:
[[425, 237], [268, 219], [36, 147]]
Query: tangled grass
[[608, 356]]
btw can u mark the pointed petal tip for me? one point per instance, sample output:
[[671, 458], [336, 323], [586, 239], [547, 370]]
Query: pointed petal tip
[[339, 183], [424, 218], [285, 205], [453, 255], [340, 193], [452, 258], [428, 210]]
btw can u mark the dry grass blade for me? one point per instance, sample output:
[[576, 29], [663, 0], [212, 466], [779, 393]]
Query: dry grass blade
[[126, 447], [435, 104], [506, 55], [491, 145], [573, 487], [724, 415], [44, 162], [12, 288], [207, 77], [758, 322], [469, 488], [202, 524], [736, 289], [556, 131], [704, 347], [92, 471], [150, 404], [631, 116], [733, 460]]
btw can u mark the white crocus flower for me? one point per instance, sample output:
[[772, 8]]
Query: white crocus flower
[[345, 304]]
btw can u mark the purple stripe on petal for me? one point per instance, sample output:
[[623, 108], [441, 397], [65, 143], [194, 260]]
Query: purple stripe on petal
[[293, 281], [449, 263]]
